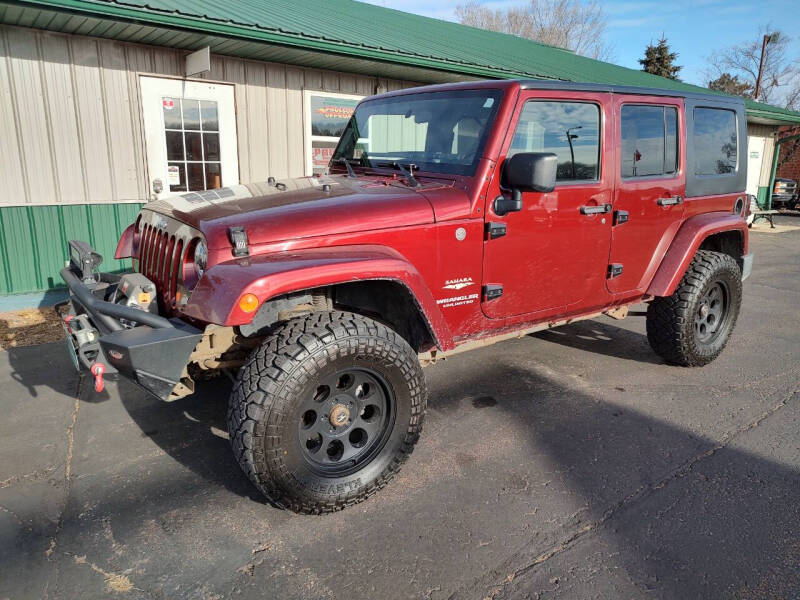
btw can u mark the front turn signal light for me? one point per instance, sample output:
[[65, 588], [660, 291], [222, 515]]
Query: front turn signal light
[[248, 303]]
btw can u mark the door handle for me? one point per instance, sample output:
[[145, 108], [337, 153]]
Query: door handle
[[595, 210], [669, 201]]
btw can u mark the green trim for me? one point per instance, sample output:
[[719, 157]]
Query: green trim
[[33, 241], [4, 253], [761, 199], [37, 268]]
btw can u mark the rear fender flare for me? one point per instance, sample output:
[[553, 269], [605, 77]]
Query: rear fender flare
[[215, 299], [686, 243]]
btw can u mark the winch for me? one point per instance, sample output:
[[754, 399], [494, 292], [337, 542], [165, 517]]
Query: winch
[[137, 291]]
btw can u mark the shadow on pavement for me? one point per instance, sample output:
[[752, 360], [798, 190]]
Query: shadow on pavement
[[717, 521], [192, 430], [603, 338]]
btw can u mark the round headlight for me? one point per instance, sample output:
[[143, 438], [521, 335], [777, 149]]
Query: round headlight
[[201, 256]]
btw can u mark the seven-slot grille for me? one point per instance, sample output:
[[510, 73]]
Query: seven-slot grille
[[160, 258]]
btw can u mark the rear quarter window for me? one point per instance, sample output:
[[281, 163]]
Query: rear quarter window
[[715, 141]]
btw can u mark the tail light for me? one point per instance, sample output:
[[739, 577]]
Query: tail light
[[750, 205]]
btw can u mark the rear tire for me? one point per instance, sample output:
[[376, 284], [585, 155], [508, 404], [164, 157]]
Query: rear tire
[[692, 326], [326, 410]]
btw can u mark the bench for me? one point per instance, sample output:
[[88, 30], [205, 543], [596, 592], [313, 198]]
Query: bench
[[768, 214]]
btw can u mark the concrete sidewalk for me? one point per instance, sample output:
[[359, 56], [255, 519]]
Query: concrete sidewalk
[[569, 464]]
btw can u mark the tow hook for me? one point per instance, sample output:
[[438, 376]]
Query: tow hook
[[97, 370]]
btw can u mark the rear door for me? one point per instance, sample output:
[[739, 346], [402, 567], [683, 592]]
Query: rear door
[[553, 255], [650, 187]]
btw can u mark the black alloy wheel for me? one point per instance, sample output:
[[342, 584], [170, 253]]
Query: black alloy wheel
[[344, 421]]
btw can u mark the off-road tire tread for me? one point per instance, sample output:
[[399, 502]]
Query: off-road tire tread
[[669, 322], [263, 395]]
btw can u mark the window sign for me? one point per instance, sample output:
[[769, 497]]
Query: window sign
[[327, 116]]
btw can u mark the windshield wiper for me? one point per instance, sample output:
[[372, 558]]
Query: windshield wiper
[[343, 161], [407, 173]]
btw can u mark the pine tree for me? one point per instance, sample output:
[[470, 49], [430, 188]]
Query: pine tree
[[658, 60], [731, 84]]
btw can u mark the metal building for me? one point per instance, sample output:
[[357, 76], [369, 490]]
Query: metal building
[[100, 110]]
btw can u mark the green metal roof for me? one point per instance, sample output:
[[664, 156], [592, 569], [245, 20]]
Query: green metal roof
[[352, 35]]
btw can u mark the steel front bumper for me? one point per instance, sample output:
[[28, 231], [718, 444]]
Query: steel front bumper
[[152, 354]]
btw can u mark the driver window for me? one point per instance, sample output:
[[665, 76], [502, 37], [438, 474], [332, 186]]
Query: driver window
[[570, 130]]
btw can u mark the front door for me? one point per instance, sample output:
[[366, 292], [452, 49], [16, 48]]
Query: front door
[[190, 134], [651, 181], [554, 253]]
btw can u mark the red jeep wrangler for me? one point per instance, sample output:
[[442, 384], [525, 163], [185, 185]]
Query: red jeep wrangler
[[453, 216]]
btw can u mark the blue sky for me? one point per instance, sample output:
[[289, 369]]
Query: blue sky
[[694, 29]]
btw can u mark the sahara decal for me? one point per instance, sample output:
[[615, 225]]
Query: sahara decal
[[458, 283]]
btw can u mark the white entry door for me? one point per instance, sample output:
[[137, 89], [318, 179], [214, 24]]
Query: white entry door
[[755, 157], [190, 133]]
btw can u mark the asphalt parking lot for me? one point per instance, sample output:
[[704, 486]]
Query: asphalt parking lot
[[568, 464]]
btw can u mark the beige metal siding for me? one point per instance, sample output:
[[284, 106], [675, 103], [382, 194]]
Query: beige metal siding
[[70, 115]]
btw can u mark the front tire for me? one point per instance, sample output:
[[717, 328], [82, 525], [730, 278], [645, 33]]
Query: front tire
[[326, 410], [692, 326]]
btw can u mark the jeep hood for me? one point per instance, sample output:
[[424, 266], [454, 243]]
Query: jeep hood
[[307, 207]]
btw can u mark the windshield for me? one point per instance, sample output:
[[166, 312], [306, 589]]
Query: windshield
[[440, 132]]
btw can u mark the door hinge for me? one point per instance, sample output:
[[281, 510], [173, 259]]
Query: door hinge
[[492, 291], [495, 230], [614, 270], [620, 217]]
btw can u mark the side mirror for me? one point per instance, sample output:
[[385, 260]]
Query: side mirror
[[531, 171], [528, 171]]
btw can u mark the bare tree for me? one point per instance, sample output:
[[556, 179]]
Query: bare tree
[[780, 77], [571, 24]]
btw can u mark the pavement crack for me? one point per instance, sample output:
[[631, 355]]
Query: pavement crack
[[115, 582], [67, 466], [634, 497]]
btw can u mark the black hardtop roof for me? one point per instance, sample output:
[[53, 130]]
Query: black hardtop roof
[[545, 84], [576, 86]]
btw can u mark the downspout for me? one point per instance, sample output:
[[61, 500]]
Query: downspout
[[776, 154]]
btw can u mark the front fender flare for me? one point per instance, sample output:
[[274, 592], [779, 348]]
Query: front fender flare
[[686, 243], [215, 299]]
